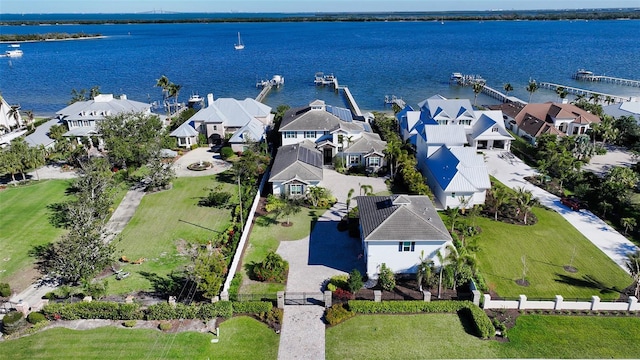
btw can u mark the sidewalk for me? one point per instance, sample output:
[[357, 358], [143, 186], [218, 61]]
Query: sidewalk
[[512, 172]]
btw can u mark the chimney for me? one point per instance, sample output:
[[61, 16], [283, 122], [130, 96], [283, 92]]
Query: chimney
[[209, 99], [123, 97]]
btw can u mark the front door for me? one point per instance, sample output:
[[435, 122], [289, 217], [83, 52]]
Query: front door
[[328, 156]]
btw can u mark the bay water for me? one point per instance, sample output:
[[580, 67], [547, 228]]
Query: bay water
[[412, 60]]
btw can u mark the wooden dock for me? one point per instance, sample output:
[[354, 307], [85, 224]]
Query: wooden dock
[[588, 76], [585, 92], [330, 80], [265, 91], [498, 95], [394, 100]]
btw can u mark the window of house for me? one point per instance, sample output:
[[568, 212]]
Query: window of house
[[289, 134], [465, 122], [354, 159], [407, 246], [443, 122], [295, 189], [494, 129], [310, 134], [374, 161], [215, 127], [340, 148], [182, 141]]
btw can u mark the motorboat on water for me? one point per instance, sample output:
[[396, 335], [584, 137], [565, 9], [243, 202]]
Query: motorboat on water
[[14, 45], [13, 53], [195, 99]]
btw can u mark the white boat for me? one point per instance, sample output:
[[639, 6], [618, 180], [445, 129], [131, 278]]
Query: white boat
[[13, 53], [14, 45], [195, 99], [239, 45]]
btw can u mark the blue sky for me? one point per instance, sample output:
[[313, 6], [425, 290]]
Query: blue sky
[[129, 6]]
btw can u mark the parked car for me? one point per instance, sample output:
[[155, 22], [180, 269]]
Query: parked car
[[571, 202]]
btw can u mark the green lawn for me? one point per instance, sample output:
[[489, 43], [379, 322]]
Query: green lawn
[[24, 224], [240, 338], [536, 336], [266, 236], [443, 336], [432, 336], [548, 246], [163, 222]]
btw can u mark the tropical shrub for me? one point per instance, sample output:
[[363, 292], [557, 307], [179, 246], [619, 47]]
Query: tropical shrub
[[216, 198], [386, 278], [273, 268], [273, 317], [165, 326], [355, 281], [337, 314], [338, 282], [234, 287], [5, 290], [35, 317], [130, 323], [226, 152], [12, 322], [342, 295]]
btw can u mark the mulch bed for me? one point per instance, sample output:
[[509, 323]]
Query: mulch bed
[[407, 289]]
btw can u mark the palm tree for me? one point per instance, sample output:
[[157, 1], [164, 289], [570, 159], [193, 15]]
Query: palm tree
[[453, 214], [443, 260], [78, 95], [608, 99], [173, 90], [508, 88], [562, 92], [423, 273], [349, 195], [29, 119], [315, 193], [526, 201], [579, 98], [393, 152], [531, 88], [459, 259], [368, 189], [628, 224], [500, 197], [95, 91], [633, 264], [595, 98], [477, 89], [14, 112]]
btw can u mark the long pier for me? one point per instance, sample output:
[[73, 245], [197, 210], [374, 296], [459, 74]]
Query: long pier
[[493, 93], [265, 91], [585, 92], [589, 76], [321, 79], [394, 100]]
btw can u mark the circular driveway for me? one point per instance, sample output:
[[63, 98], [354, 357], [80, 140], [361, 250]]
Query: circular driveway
[[197, 155]]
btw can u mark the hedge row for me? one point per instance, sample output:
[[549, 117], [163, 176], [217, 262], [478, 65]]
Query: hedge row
[[252, 307], [484, 327], [93, 310], [119, 311]]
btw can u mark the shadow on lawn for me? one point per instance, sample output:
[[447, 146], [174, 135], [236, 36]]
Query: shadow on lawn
[[171, 285], [586, 281]]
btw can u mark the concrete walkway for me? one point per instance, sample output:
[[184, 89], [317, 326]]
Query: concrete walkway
[[302, 334], [512, 171], [197, 155]]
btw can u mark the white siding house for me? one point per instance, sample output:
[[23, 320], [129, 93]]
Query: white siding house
[[397, 230]]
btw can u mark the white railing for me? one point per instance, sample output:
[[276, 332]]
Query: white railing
[[559, 304]]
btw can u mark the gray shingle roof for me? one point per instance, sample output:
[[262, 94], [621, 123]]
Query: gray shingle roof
[[368, 143], [302, 161], [302, 119], [403, 217]]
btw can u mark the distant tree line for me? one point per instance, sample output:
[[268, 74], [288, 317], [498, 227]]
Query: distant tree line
[[578, 14], [43, 37]]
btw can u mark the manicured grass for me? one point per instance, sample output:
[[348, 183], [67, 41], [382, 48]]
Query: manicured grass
[[266, 235], [162, 222], [537, 336], [548, 246], [434, 336], [240, 338], [24, 224], [443, 336]]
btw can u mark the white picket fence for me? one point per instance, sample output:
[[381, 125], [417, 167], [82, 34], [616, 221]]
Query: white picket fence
[[560, 304]]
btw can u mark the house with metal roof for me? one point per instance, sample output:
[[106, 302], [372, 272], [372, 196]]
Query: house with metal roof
[[40, 137], [221, 118], [626, 108], [457, 176], [488, 131], [295, 168], [11, 122], [334, 132], [83, 117], [253, 131], [397, 230]]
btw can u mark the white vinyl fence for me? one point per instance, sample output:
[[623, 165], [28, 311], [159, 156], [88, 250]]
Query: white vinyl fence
[[560, 304]]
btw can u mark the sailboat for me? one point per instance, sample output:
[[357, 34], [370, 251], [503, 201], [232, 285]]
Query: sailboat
[[239, 45]]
